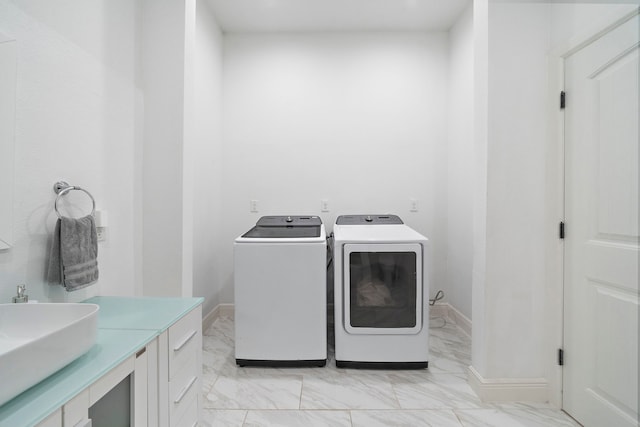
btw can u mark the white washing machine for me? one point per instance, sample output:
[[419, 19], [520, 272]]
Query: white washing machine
[[280, 293], [381, 293]]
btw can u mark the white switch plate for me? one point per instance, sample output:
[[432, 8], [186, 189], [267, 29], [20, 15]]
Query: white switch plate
[[413, 205], [324, 205], [253, 206]]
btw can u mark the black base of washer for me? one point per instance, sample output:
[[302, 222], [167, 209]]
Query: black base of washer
[[282, 363], [381, 365]]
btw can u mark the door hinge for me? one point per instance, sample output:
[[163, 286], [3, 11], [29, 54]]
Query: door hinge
[[562, 100], [561, 230], [560, 357]]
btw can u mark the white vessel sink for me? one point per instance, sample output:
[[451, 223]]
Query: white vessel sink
[[37, 340]]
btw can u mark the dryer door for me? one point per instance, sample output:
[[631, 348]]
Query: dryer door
[[383, 288]]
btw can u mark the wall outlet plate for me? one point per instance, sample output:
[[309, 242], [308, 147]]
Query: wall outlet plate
[[102, 233]]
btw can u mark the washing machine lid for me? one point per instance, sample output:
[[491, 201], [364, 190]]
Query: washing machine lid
[[368, 219], [286, 226]]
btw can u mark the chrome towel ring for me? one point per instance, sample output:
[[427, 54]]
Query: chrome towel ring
[[61, 188]]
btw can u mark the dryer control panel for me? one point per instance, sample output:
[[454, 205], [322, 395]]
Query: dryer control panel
[[368, 219]]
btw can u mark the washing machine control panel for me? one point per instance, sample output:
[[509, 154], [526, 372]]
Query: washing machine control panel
[[368, 219], [286, 226]]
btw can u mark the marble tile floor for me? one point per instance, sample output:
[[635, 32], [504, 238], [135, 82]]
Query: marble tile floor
[[310, 397]]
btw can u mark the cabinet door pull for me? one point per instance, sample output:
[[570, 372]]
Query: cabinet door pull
[[185, 341], [185, 390]]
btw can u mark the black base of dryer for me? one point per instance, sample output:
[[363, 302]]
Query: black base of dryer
[[381, 365]]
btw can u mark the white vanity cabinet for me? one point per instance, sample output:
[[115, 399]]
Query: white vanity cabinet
[[53, 420], [76, 411], [180, 371]]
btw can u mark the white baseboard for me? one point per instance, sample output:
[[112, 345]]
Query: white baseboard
[[448, 311], [460, 319], [508, 389], [210, 317], [445, 310], [218, 311], [439, 310]]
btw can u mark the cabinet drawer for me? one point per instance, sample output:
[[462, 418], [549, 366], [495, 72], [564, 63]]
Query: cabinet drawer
[[189, 418], [184, 389], [185, 340]]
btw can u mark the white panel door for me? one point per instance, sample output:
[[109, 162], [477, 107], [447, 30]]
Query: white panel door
[[600, 384]]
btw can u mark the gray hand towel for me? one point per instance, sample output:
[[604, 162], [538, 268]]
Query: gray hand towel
[[74, 253]]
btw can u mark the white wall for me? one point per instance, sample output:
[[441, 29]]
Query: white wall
[[358, 119], [166, 221], [480, 132], [516, 243], [105, 84], [510, 204], [208, 160], [75, 119], [8, 68], [573, 22], [460, 181], [111, 107], [518, 38]]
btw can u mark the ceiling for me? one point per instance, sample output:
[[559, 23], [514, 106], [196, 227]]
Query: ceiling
[[336, 15]]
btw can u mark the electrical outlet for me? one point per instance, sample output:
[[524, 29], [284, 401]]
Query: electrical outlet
[[101, 232], [413, 205], [324, 205], [253, 206]]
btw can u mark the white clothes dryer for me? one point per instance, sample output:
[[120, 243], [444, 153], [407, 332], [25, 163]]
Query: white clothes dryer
[[381, 293], [280, 293]]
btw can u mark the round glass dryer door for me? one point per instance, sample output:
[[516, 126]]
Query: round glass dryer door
[[383, 288]]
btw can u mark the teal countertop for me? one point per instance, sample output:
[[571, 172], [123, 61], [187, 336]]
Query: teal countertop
[[125, 325], [142, 313]]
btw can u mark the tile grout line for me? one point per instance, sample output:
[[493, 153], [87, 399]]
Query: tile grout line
[[301, 390], [244, 420], [393, 389]]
